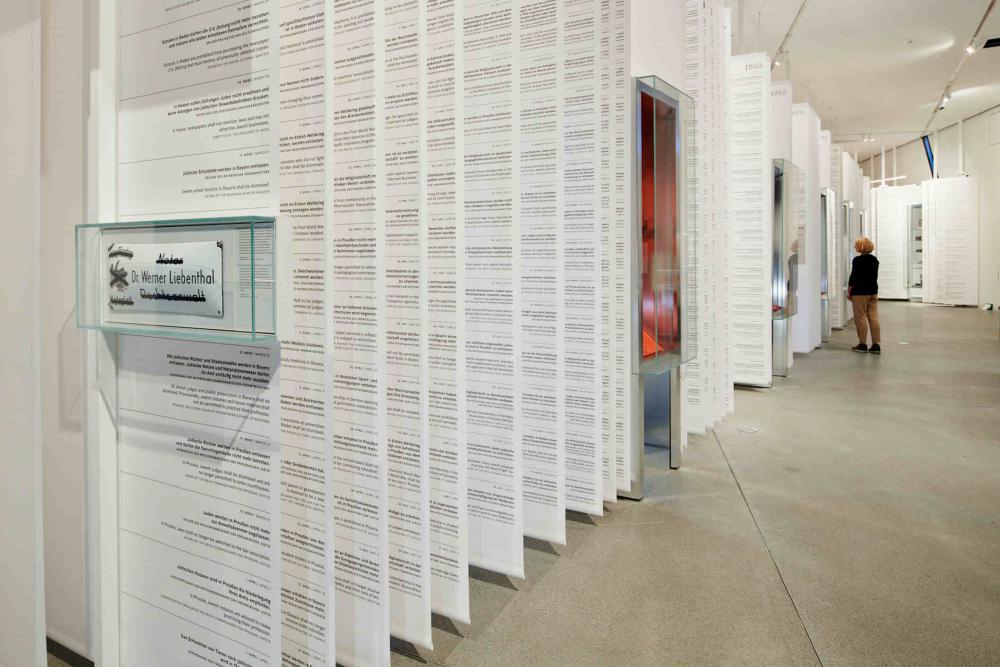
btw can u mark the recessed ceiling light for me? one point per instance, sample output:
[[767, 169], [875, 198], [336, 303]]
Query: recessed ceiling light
[[969, 49]]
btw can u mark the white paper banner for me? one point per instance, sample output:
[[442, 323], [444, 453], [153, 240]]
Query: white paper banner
[[198, 489], [199, 507], [751, 197], [951, 241], [621, 203], [607, 139], [540, 288], [356, 411], [491, 249], [581, 245], [891, 237], [196, 87], [445, 339], [398, 210], [307, 564]]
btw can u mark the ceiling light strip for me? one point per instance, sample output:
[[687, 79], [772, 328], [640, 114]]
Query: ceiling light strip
[[788, 35], [946, 93]]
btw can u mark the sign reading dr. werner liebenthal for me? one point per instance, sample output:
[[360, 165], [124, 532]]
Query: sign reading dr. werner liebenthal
[[170, 278]]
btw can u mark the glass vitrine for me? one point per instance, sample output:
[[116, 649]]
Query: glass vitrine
[[847, 247], [785, 262], [915, 277], [827, 222], [664, 118], [661, 339], [206, 279]]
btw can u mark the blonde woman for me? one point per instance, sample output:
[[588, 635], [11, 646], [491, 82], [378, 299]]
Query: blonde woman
[[862, 290]]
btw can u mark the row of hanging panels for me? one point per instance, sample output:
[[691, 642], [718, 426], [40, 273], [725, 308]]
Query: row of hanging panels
[[449, 179], [706, 380]]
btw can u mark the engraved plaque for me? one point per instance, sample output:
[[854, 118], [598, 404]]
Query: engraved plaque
[[166, 278]]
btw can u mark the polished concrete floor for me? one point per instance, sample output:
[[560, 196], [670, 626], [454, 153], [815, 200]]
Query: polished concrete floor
[[848, 516]]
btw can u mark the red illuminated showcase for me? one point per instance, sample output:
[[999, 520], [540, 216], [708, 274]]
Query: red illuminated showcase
[[659, 245]]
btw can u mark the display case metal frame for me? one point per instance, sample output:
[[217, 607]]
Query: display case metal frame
[[847, 247], [827, 214], [656, 386], [784, 263]]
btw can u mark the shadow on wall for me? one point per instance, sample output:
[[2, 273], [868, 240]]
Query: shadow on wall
[[70, 375]]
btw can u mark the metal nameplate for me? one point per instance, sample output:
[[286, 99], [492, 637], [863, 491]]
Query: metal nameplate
[[168, 278]]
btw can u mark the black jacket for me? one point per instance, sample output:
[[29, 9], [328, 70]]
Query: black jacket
[[864, 275]]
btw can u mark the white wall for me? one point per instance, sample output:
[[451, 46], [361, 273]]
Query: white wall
[[982, 160], [658, 39], [63, 157], [22, 604]]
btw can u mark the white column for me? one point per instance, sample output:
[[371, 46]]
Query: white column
[[22, 594], [63, 190]]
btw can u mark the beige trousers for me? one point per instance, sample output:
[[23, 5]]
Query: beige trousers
[[866, 316]]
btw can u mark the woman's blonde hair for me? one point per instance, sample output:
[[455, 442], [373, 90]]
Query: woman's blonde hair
[[864, 245]]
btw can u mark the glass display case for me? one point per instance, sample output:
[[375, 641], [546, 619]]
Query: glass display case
[[664, 118], [664, 160], [915, 270], [847, 244], [785, 262], [206, 279], [827, 223]]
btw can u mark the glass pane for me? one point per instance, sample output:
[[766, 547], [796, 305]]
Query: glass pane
[[663, 129], [209, 279], [916, 269], [779, 291], [848, 243], [786, 249]]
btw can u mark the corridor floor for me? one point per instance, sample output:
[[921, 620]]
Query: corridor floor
[[848, 516]]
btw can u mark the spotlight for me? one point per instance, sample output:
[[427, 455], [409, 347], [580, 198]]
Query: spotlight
[[969, 49], [947, 98]]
